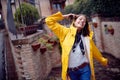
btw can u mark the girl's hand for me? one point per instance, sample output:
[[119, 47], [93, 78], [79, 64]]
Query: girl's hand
[[69, 16]]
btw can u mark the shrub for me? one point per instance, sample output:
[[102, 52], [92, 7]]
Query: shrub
[[29, 14]]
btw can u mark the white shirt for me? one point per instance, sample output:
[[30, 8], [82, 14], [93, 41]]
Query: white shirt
[[76, 58]]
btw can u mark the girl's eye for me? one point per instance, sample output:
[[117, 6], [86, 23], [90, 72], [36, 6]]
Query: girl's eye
[[80, 18]]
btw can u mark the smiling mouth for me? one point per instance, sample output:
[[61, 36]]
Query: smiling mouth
[[80, 24]]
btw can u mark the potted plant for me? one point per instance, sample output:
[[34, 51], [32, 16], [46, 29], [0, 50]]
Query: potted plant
[[95, 24], [49, 46], [111, 30], [43, 42], [53, 40], [27, 15], [19, 27], [35, 46], [43, 50]]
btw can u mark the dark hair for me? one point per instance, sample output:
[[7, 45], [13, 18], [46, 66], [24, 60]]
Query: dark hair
[[85, 30]]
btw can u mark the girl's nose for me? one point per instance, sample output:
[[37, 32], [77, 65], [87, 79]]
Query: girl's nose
[[82, 20]]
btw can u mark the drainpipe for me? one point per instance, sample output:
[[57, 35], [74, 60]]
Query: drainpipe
[[40, 8]]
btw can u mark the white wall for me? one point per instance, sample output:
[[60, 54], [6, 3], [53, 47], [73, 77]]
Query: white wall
[[112, 42], [105, 41]]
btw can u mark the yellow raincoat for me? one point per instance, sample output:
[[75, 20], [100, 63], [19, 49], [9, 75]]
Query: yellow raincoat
[[67, 37]]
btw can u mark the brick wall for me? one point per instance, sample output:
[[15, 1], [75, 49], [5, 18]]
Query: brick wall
[[33, 65], [28, 64]]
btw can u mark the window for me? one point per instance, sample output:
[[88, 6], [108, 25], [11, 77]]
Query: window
[[56, 6]]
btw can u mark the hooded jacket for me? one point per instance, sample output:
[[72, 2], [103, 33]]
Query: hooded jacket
[[67, 38]]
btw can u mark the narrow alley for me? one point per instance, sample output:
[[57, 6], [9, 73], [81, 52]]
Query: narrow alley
[[112, 72], [30, 51]]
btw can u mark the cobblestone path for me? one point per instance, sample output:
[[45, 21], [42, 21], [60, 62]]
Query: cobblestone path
[[102, 73]]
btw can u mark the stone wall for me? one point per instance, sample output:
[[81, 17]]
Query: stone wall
[[34, 65]]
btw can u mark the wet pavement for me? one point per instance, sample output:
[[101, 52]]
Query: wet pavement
[[112, 72]]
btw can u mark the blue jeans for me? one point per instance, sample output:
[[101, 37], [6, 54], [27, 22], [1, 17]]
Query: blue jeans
[[81, 74]]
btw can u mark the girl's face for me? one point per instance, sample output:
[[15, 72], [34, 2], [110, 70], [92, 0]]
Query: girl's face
[[80, 22]]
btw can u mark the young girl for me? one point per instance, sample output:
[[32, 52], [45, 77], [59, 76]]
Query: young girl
[[78, 48]]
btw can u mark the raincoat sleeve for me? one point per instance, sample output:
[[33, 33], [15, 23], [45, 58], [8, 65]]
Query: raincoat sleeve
[[52, 23], [98, 56]]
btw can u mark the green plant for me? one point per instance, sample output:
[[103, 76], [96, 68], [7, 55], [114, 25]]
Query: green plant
[[17, 24], [26, 14], [50, 37], [42, 41], [106, 8], [68, 9], [49, 46], [46, 36]]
